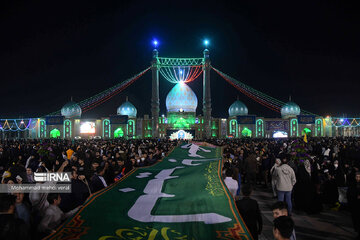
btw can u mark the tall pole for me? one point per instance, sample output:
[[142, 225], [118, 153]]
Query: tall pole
[[155, 102], [206, 94]]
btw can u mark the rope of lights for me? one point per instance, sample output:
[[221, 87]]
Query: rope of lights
[[344, 122], [251, 93], [163, 61], [257, 94], [259, 100], [16, 127], [115, 91], [176, 74], [99, 98]]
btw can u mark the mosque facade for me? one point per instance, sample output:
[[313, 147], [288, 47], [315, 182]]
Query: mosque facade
[[180, 121]]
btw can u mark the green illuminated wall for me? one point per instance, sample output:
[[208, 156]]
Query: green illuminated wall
[[67, 128], [233, 128], [259, 128], [246, 132], [306, 131], [294, 128], [106, 128], [118, 133], [42, 129], [319, 128], [55, 133], [181, 120], [131, 128]]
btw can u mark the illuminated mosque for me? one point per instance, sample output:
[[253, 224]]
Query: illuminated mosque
[[180, 121]]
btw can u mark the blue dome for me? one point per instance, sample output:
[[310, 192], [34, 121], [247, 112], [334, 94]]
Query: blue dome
[[238, 108], [181, 97], [127, 108], [290, 109], [71, 110]]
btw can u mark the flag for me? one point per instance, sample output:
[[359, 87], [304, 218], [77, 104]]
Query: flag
[[181, 197]]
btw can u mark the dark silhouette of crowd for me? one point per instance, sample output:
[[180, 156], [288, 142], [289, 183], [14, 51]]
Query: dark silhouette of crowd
[[303, 176], [94, 165], [307, 176]]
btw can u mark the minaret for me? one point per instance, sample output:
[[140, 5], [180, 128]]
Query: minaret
[[155, 102], [206, 94]]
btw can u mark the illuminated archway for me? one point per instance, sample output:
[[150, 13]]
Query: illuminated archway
[[55, 133], [246, 132], [118, 133], [233, 126], [306, 131]]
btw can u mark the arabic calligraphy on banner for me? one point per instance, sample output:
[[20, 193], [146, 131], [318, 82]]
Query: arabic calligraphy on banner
[[246, 119], [213, 186], [148, 233], [306, 119], [277, 125]]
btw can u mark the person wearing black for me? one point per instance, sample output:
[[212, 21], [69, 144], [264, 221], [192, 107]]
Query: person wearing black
[[250, 212], [79, 193], [11, 227], [353, 197], [97, 181]]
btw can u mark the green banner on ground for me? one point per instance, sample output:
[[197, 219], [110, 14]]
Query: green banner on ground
[[181, 197]]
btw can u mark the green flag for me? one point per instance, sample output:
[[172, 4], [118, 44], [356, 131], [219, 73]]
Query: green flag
[[181, 197]]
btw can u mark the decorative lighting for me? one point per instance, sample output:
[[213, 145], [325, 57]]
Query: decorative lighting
[[206, 42], [155, 43]]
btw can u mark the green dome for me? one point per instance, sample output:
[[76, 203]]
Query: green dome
[[127, 108], [238, 108], [71, 110], [290, 109]]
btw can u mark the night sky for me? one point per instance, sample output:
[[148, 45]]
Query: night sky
[[52, 50]]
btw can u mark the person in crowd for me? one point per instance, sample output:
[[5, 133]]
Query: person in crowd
[[281, 209], [80, 191], [230, 183], [98, 181], [237, 177], [250, 211], [53, 215], [22, 208], [11, 227], [285, 181], [304, 190], [29, 176], [283, 228], [273, 178], [353, 197], [250, 167]]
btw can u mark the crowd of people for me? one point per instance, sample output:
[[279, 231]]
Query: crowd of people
[[306, 176], [303, 176], [94, 164]]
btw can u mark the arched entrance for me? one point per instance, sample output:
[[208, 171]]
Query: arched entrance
[[306, 131], [118, 133], [55, 133], [246, 132]]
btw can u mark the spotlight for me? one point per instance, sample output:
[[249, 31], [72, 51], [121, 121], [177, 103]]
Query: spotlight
[[206, 42], [155, 43]]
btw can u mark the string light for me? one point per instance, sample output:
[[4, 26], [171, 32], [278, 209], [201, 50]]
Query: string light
[[12, 125], [114, 92], [255, 94], [185, 74], [105, 95]]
